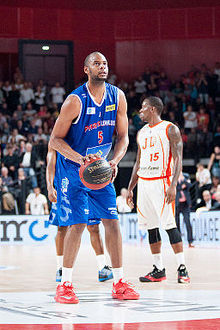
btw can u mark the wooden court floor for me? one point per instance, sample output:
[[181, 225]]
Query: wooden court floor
[[32, 268]]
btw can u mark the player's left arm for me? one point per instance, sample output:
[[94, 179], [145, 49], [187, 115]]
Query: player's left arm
[[176, 145], [122, 134]]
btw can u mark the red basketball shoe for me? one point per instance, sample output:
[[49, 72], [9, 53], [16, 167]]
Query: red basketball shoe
[[65, 294], [124, 291]]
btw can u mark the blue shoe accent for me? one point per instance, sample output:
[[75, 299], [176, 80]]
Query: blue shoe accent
[[59, 275], [105, 274]]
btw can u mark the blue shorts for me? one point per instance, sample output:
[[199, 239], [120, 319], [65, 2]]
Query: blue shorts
[[76, 203]]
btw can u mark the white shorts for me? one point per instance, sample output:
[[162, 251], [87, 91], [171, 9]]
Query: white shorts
[[152, 209]]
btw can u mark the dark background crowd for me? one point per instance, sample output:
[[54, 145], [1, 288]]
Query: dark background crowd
[[28, 113]]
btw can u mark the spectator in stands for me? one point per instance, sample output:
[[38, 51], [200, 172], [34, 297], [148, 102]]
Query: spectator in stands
[[36, 203], [202, 118], [217, 72], [216, 140], [203, 177], [7, 181], [140, 86], [202, 86], [192, 144], [39, 98], [28, 163], [133, 102], [13, 98], [206, 203], [121, 202], [2, 120], [30, 112], [183, 205], [11, 161], [190, 120], [6, 89], [163, 84], [40, 137], [132, 135], [19, 84], [8, 202], [57, 93], [214, 162], [15, 137], [17, 74], [216, 205], [27, 95], [214, 187], [21, 190]]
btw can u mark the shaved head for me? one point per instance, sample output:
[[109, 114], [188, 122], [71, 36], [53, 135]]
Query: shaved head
[[90, 57]]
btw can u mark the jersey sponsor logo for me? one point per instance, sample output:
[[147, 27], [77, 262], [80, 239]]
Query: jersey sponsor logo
[[90, 111], [110, 108], [64, 185], [100, 124]]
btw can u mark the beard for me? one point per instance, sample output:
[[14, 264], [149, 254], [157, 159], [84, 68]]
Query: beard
[[99, 79]]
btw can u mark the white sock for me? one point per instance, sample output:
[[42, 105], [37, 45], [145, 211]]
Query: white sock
[[180, 258], [67, 274], [59, 262], [157, 258], [101, 262], [118, 273]]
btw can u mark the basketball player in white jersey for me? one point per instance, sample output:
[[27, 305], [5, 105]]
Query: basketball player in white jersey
[[156, 171]]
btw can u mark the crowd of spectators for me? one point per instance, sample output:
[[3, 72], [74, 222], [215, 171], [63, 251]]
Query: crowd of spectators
[[192, 102], [28, 113]]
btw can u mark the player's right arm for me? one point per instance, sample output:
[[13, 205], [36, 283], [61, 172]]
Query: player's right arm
[[50, 173], [134, 178], [70, 110]]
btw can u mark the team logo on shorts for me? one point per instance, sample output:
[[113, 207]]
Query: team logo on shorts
[[64, 185]]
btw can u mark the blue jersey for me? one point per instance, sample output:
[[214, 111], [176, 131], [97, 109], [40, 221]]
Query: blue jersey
[[93, 129], [90, 133]]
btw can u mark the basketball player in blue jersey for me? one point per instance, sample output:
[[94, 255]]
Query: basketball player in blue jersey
[[84, 129], [105, 272]]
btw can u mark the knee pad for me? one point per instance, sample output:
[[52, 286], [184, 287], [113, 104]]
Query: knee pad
[[154, 235], [174, 236]]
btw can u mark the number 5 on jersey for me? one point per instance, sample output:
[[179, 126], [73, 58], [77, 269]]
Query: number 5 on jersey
[[100, 137]]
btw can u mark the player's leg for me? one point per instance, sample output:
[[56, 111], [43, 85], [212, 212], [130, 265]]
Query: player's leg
[[149, 206], [104, 271], [168, 222], [72, 211], [158, 274], [102, 203], [177, 246], [61, 232]]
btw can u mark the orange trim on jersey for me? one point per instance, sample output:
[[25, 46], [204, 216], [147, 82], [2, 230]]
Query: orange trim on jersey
[[173, 207], [155, 124], [155, 178], [167, 130], [140, 212], [164, 201], [163, 156], [168, 172]]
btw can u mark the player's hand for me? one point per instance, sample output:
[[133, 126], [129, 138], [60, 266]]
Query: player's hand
[[170, 194], [90, 157], [52, 194], [114, 169], [129, 199]]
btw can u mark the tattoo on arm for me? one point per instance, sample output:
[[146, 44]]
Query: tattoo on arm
[[176, 145]]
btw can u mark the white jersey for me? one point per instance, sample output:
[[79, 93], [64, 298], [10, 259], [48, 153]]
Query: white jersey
[[156, 157]]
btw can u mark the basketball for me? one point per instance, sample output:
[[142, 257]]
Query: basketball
[[96, 173]]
